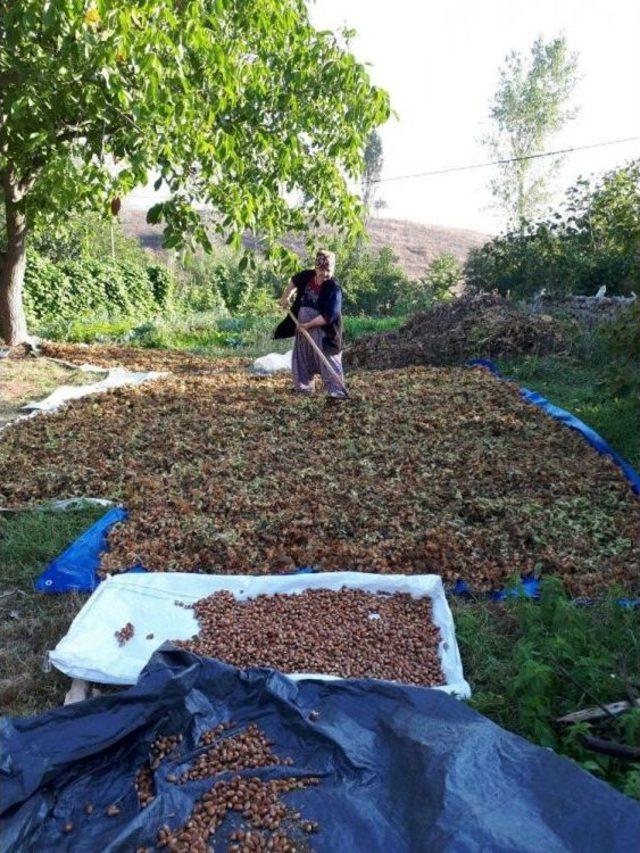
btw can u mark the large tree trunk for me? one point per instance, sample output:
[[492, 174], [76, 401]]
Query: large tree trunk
[[13, 324]]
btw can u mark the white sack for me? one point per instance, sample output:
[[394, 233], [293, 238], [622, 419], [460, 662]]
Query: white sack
[[273, 362], [116, 378], [90, 650]]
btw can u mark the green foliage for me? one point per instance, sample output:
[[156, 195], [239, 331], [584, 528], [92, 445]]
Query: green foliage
[[443, 274], [222, 283], [65, 291], [532, 662], [371, 280], [593, 240], [153, 86], [87, 235], [250, 335], [373, 163], [529, 107], [623, 339], [161, 282]]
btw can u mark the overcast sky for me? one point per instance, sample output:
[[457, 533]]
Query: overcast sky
[[439, 62]]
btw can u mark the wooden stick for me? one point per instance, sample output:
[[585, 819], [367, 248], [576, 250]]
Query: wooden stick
[[597, 713], [325, 360], [611, 747]]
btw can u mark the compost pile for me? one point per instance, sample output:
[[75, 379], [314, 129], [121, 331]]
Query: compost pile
[[587, 311], [445, 471], [347, 633], [480, 326]]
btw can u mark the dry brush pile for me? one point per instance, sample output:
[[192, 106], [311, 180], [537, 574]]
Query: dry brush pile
[[484, 325], [425, 470]]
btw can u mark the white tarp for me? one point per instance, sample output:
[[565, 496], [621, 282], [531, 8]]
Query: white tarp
[[152, 603], [273, 362], [116, 378]]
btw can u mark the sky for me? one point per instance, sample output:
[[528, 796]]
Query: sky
[[440, 61]]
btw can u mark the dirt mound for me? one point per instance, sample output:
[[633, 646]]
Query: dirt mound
[[484, 325]]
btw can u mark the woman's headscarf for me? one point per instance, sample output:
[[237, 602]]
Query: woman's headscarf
[[326, 260]]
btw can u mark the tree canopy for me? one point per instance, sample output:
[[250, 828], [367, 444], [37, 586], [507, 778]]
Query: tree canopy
[[529, 106], [239, 105]]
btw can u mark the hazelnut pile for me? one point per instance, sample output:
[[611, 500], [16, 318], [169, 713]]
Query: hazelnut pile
[[124, 634], [260, 804], [249, 748], [347, 633], [210, 735], [164, 746]]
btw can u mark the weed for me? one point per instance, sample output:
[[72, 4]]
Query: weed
[[531, 662]]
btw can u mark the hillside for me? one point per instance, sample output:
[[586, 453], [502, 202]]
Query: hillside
[[414, 244]]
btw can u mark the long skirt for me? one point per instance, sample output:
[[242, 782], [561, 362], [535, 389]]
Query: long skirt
[[306, 363]]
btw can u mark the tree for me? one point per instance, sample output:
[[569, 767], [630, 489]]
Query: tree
[[529, 106], [373, 162], [443, 274], [592, 239], [228, 100]]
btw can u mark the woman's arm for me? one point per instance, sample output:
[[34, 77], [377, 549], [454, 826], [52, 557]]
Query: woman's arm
[[335, 309], [312, 324], [285, 299]]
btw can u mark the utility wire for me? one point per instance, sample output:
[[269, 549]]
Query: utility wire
[[506, 160], [482, 165]]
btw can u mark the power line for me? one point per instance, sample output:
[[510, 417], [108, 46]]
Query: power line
[[507, 160]]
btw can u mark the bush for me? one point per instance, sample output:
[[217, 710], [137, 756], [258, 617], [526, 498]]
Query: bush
[[64, 291], [529, 663], [223, 284], [371, 280], [443, 274], [88, 235], [593, 240], [623, 339]]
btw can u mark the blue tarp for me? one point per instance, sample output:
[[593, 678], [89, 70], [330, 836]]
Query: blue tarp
[[76, 569], [400, 768]]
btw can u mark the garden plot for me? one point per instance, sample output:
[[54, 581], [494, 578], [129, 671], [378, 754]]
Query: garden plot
[[426, 470]]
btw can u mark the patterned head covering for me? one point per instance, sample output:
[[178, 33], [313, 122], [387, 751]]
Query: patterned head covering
[[326, 260]]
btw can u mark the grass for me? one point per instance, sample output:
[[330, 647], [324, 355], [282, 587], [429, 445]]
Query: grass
[[529, 663], [204, 333], [23, 380], [584, 386], [30, 622]]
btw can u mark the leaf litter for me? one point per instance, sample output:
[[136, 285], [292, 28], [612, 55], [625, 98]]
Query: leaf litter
[[425, 470]]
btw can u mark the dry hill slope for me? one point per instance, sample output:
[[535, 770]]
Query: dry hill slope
[[414, 244]]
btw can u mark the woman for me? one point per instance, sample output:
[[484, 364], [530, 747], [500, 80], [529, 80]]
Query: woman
[[318, 309]]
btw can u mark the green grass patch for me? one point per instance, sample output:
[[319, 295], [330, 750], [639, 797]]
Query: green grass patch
[[32, 623], [529, 663], [584, 386], [204, 333]]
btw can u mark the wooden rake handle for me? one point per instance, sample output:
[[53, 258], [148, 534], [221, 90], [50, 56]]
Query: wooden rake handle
[[325, 360]]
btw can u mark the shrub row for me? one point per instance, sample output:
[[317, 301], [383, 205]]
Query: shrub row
[[73, 288]]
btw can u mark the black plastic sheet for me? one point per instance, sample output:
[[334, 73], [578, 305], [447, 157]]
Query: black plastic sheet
[[401, 768]]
